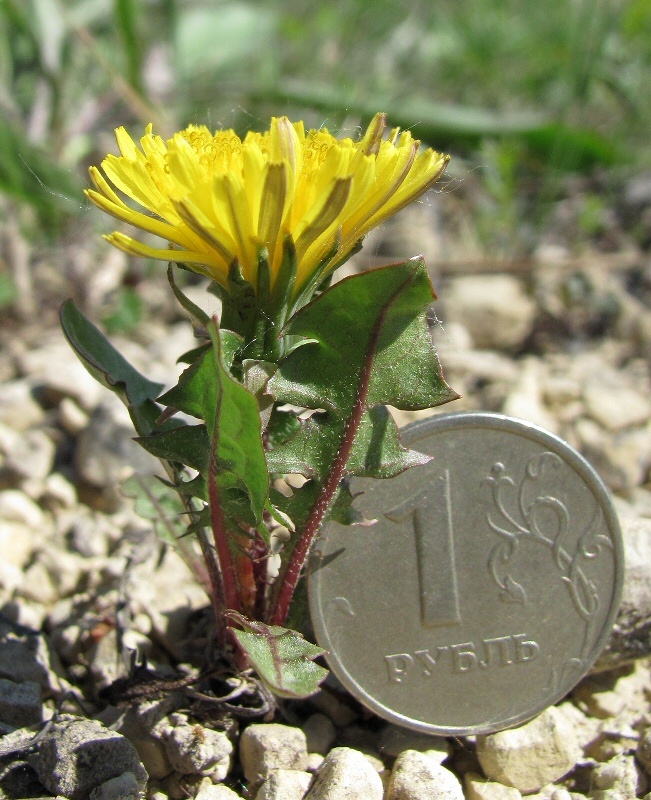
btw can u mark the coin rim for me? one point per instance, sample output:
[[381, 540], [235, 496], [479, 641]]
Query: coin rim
[[411, 434]]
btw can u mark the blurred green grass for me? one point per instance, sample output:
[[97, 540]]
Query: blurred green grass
[[558, 87]]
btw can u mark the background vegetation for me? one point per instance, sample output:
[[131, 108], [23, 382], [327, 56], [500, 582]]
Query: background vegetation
[[525, 95]]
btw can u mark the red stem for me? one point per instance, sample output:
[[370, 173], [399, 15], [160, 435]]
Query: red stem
[[225, 562], [289, 579]]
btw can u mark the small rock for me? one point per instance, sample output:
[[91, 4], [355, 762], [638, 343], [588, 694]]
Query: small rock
[[216, 793], [18, 409], [106, 453], [72, 418], [525, 399], [151, 749], [494, 308], [17, 544], [17, 777], [478, 788], [415, 776], [25, 656], [394, 739], [314, 761], [57, 370], [268, 747], [619, 775], [20, 703], [614, 405], [285, 784], [123, 787], [319, 733], [586, 729], [643, 752], [57, 492], [346, 775], [88, 537], [528, 757], [630, 637], [77, 755], [169, 595], [622, 460], [338, 711], [195, 750], [15, 506], [27, 455], [619, 699]]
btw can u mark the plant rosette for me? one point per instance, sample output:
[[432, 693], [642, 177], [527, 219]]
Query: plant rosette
[[295, 376]]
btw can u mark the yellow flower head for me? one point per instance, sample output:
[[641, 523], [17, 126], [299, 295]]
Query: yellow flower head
[[216, 198]]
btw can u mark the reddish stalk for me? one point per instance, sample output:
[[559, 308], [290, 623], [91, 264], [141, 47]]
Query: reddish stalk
[[220, 534], [289, 579]]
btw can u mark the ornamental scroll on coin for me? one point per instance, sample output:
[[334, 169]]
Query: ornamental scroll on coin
[[485, 588]]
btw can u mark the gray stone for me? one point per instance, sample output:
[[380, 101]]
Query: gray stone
[[17, 543], [528, 757], [494, 308], [394, 739], [106, 453], [18, 409], [268, 747], [141, 724], [285, 784], [54, 367], [27, 455], [621, 459], [346, 775], [619, 775], [15, 506], [319, 733], [525, 400], [619, 699], [415, 777], [25, 656], [20, 703], [216, 793], [72, 418], [77, 755], [478, 788], [340, 713], [631, 635], [193, 749], [17, 777], [122, 787], [643, 752], [613, 404]]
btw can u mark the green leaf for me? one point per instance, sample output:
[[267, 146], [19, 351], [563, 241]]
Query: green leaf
[[196, 391], [191, 356], [154, 501], [188, 444], [370, 345], [282, 658], [110, 368], [126, 15], [237, 469]]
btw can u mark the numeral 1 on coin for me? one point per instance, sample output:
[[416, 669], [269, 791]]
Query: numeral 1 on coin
[[431, 515]]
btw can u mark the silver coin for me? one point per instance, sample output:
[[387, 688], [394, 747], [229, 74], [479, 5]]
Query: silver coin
[[486, 587]]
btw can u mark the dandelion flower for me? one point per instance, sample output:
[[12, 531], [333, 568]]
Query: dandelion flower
[[216, 198]]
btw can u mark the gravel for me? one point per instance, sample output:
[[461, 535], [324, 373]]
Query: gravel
[[88, 589]]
